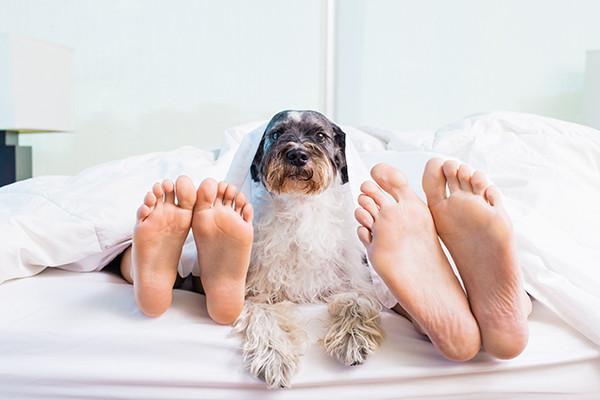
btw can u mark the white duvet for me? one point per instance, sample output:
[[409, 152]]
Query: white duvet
[[549, 171]]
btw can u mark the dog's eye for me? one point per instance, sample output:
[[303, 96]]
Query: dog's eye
[[274, 135], [321, 137]]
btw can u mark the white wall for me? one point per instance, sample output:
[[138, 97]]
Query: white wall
[[154, 75], [419, 64], [157, 74]]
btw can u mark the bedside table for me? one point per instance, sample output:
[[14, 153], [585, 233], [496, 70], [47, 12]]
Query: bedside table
[[15, 160], [35, 96]]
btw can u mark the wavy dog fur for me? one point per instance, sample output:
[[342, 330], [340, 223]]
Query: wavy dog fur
[[305, 250]]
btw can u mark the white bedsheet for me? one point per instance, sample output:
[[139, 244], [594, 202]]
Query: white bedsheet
[[549, 173], [548, 170], [80, 336]]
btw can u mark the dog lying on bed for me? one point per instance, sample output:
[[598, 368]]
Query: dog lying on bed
[[305, 250], [302, 248]]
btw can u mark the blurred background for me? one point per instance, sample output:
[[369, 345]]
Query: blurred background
[[153, 75]]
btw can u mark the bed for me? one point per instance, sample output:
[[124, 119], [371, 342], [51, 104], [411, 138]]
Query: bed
[[67, 334], [80, 335]]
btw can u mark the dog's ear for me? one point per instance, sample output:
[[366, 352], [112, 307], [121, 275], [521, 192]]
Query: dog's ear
[[339, 137], [255, 166]]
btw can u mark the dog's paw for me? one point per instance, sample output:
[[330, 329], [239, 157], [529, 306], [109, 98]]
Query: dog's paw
[[351, 347], [274, 367], [272, 342], [355, 330]]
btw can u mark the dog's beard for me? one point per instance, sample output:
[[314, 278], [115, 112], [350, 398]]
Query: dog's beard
[[313, 178]]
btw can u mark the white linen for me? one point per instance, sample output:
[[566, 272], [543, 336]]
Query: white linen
[[81, 336], [548, 170], [82, 222], [549, 173]]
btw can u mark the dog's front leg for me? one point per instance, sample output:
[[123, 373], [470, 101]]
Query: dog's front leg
[[272, 342], [355, 329]]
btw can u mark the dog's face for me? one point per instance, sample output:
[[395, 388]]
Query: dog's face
[[301, 152]]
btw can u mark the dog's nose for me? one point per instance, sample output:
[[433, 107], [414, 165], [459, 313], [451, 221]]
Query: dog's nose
[[297, 157]]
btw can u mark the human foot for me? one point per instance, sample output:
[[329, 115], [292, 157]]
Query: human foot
[[404, 249], [222, 227], [472, 223], [162, 226]]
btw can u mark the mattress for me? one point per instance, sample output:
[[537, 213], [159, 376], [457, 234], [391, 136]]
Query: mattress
[[80, 335]]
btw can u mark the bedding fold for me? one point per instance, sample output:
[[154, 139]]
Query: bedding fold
[[548, 170]]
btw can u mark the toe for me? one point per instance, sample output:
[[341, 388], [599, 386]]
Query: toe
[[434, 181], [369, 205], [169, 189], [221, 188], [186, 194], [247, 212], [150, 199], [479, 182], [158, 192], [206, 194], [389, 179], [450, 168], [240, 202], [493, 195], [364, 235], [464, 177], [364, 217], [143, 212], [373, 191], [229, 195]]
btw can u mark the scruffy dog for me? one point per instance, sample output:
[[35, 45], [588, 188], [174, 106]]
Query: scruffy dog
[[305, 250]]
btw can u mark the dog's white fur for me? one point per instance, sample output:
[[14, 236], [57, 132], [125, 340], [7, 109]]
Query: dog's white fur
[[306, 251]]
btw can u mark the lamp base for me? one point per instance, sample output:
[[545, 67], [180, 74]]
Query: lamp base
[[15, 160]]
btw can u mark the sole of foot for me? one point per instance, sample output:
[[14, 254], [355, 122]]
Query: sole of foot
[[222, 228], [163, 223], [398, 232], [471, 221]]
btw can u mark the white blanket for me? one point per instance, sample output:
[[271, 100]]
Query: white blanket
[[548, 170]]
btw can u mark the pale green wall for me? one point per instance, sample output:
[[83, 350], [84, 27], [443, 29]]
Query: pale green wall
[[410, 64], [154, 74]]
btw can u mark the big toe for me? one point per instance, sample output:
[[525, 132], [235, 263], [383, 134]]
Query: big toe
[[206, 194], [434, 181], [389, 179], [185, 192]]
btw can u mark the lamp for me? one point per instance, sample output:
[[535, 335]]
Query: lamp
[[35, 91], [591, 95]]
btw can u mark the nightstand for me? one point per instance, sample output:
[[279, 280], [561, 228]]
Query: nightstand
[[35, 92], [15, 160]]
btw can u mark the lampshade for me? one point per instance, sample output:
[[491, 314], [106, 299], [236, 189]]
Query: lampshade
[[35, 85], [591, 95]]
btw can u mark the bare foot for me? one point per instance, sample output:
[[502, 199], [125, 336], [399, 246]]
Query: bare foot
[[161, 229], [478, 233], [404, 249], [222, 227]]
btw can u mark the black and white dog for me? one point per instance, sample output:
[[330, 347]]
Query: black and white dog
[[305, 250]]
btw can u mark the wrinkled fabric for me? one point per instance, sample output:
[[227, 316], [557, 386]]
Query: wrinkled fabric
[[548, 171]]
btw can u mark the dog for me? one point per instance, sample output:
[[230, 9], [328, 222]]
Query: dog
[[305, 250]]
